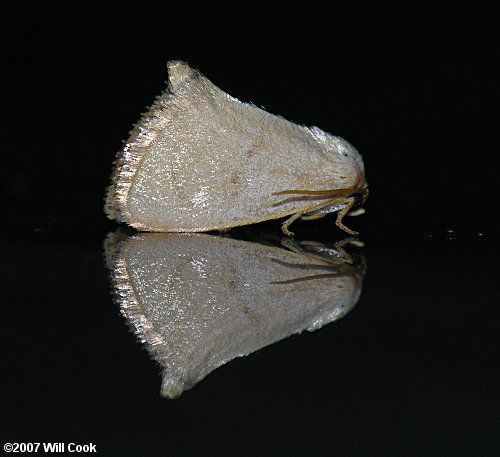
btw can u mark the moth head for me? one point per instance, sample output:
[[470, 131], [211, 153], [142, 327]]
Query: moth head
[[361, 196], [337, 147]]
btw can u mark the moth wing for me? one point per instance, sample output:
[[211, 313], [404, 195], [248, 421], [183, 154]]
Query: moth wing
[[201, 160]]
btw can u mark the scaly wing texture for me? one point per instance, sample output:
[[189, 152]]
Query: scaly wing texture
[[199, 301], [200, 160]]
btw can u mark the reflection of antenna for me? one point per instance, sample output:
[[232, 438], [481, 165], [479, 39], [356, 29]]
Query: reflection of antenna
[[332, 258], [332, 255]]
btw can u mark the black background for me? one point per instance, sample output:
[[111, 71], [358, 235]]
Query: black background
[[410, 371]]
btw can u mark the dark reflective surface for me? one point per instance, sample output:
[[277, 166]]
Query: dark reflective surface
[[413, 362]]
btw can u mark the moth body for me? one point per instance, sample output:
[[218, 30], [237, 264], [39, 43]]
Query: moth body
[[201, 160]]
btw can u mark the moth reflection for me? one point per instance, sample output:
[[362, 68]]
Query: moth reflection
[[198, 301]]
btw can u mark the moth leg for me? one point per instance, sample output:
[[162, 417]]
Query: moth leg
[[307, 214], [340, 205], [286, 224], [340, 215], [357, 212], [312, 217]]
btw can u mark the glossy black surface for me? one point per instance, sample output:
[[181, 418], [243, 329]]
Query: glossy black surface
[[410, 371]]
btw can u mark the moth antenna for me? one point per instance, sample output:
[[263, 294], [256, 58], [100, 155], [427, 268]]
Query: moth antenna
[[308, 278], [320, 193]]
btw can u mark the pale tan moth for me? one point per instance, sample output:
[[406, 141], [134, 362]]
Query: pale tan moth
[[201, 160], [198, 301]]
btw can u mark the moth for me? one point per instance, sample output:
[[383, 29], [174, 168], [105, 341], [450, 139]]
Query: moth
[[201, 160], [198, 301]]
